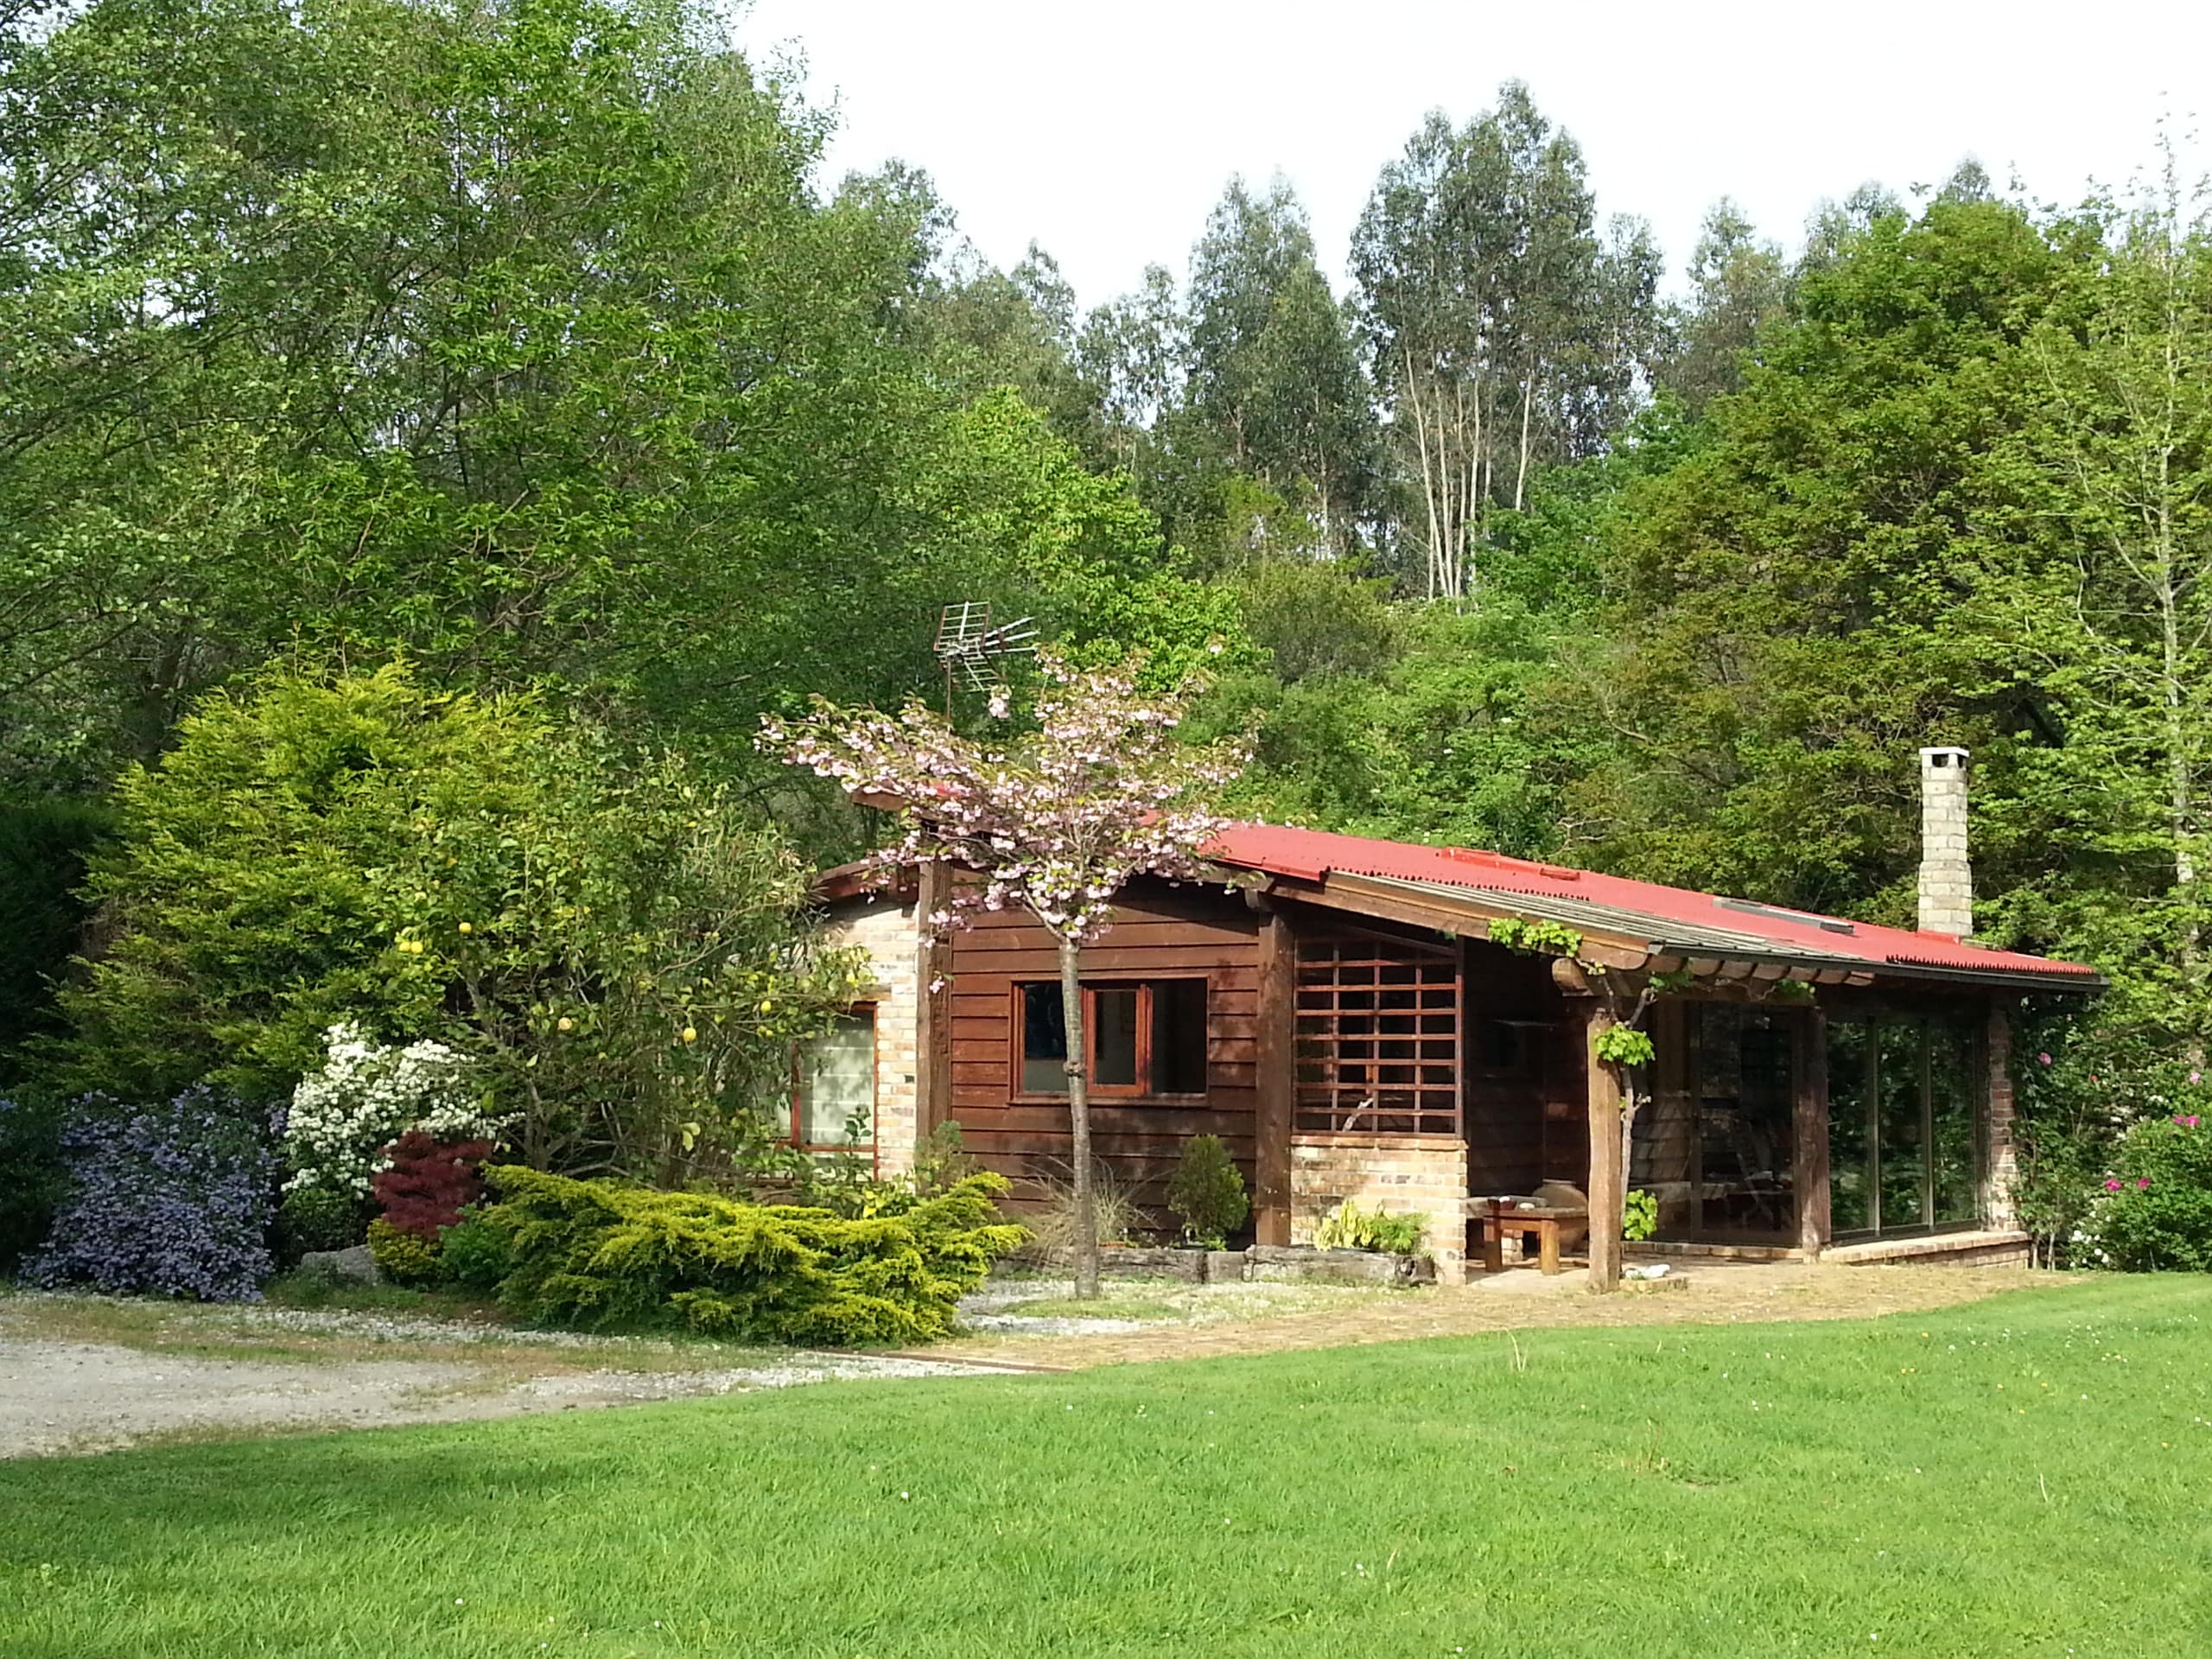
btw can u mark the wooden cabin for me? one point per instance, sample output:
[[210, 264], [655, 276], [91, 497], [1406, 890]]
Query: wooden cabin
[[1337, 1011]]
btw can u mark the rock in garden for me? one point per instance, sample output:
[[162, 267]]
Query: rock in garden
[[348, 1267]]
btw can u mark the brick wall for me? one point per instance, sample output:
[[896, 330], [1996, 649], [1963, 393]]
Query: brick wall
[[888, 931], [1407, 1175], [2004, 1147]]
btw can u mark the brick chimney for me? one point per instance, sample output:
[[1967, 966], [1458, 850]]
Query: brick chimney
[[1946, 878]]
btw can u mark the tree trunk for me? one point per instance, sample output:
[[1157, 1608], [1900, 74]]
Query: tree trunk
[[1428, 476], [1086, 1209], [1520, 476]]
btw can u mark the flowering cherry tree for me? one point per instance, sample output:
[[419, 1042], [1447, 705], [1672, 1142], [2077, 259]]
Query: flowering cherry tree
[[1055, 820]]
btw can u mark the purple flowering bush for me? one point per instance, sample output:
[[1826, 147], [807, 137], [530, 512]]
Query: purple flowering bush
[[2155, 1209], [172, 1199]]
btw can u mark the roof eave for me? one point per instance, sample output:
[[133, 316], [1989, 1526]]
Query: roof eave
[[1482, 904]]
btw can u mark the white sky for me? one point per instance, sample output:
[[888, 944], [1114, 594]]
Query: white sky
[[1106, 130]]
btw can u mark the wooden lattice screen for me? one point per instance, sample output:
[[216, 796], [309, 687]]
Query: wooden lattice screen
[[1378, 1037]]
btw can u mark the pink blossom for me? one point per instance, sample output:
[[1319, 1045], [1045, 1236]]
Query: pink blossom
[[2045, 1059], [1059, 822], [2143, 1183], [2188, 1122], [2111, 1185], [2196, 1076]]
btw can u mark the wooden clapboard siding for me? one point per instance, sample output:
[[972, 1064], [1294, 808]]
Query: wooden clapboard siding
[[1159, 931]]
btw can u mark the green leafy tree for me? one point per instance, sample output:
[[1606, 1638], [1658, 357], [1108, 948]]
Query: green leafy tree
[[1018, 328], [515, 337], [2104, 588], [1788, 610], [44, 847], [619, 954]]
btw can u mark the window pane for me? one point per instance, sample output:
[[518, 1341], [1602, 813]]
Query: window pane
[[1745, 1122], [1178, 1037], [1903, 1149], [1044, 1041], [1850, 1171], [837, 1083], [1953, 1050], [1114, 1037]]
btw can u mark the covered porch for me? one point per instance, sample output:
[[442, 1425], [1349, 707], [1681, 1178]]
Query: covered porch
[[1791, 1107]]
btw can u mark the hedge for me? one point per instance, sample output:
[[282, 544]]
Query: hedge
[[604, 1255]]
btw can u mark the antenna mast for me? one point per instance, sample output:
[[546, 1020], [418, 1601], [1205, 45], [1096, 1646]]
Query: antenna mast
[[968, 648]]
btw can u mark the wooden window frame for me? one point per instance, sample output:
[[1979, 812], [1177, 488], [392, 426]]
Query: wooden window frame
[[1338, 1091], [871, 1003], [1976, 1068], [1142, 1093]]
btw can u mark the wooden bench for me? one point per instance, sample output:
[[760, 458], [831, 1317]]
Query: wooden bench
[[1555, 1226]]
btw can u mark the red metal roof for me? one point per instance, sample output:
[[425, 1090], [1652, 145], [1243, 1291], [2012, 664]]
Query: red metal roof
[[1312, 855]]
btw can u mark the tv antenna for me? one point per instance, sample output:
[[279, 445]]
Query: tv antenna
[[968, 648]]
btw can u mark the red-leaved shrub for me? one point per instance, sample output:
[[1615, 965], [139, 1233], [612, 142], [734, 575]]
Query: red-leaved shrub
[[429, 1182]]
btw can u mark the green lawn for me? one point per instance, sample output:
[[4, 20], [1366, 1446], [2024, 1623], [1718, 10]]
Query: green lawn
[[2029, 1475]]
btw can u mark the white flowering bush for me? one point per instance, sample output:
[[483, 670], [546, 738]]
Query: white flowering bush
[[365, 1098]]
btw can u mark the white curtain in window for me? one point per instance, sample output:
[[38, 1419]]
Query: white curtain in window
[[836, 1082]]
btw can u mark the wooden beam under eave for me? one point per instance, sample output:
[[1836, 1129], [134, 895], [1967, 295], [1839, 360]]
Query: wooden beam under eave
[[1768, 972], [1466, 916]]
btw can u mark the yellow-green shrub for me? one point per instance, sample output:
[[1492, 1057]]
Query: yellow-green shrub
[[602, 1253], [404, 1258]]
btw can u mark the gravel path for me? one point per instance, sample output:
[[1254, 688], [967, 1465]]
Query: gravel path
[[323, 1371]]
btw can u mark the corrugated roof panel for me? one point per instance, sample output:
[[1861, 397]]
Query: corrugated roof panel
[[1674, 916]]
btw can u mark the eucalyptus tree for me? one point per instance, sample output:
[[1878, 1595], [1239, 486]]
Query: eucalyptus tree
[[1272, 366], [1503, 330], [1136, 350], [1018, 328], [1739, 283]]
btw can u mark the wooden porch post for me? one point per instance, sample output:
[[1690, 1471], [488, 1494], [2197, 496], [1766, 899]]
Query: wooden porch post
[[933, 1015], [1605, 1172], [1809, 1168], [1277, 1081]]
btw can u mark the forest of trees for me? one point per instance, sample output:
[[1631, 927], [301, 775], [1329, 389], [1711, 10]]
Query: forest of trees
[[527, 343]]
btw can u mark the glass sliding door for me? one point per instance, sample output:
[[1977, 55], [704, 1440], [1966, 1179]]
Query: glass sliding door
[[1953, 1084], [1905, 1123], [1901, 1090], [1851, 1129]]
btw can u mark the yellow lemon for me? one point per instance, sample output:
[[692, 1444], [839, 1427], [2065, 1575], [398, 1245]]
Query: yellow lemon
[[565, 1024], [466, 928], [690, 1034]]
